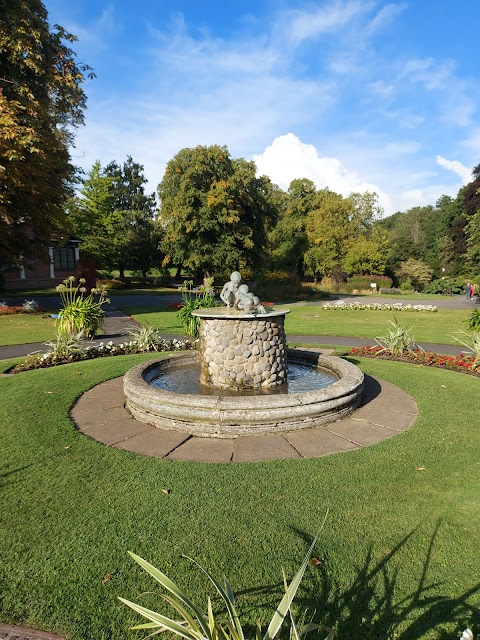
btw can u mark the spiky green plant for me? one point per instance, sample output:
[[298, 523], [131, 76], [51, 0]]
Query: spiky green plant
[[191, 300], [146, 338], [473, 320], [398, 340], [195, 625], [66, 345], [79, 311], [472, 342]]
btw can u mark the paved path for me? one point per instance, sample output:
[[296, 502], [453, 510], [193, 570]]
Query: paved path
[[386, 411], [117, 325], [14, 632]]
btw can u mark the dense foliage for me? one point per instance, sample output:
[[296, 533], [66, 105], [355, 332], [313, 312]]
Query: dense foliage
[[41, 99], [116, 218], [215, 210]]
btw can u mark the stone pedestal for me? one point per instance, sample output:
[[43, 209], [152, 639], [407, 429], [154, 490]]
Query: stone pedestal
[[242, 351]]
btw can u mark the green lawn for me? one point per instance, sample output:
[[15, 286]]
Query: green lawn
[[309, 319], [426, 327], [400, 547], [28, 328], [165, 320]]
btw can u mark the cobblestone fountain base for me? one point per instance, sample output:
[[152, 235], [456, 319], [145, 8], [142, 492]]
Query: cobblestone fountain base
[[240, 351]]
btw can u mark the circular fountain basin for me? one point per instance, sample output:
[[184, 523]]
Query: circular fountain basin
[[227, 416]]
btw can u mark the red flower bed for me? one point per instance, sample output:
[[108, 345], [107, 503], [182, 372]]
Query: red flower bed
[[457, 363], [12, 311]]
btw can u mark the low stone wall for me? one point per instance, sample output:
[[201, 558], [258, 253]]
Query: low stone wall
[[242, 353]]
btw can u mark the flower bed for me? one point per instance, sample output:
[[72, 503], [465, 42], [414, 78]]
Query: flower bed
[[377, 306], [457, 363], [29, 306], [51, 358]]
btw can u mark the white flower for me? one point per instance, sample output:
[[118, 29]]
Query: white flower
[[467, 635]]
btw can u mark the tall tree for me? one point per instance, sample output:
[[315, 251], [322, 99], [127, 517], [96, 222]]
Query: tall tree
[[41, 99], [215, 210], [134, 219], [288, 240], [115, 218]]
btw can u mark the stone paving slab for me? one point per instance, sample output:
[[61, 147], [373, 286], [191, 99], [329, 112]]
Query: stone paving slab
[[316, 443], [204, 450], [359, 432], [153, 442], [263, 447], [14, 632], [385, 412]]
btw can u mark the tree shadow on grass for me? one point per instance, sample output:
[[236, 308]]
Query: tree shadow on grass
[[4, 473], [371, 608]]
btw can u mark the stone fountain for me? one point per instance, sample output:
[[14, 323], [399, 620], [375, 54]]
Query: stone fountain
[[243, 377]]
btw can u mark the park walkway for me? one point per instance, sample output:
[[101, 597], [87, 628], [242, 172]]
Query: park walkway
[[117, 325]]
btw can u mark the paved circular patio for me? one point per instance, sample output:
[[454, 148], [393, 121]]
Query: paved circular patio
[[386, 410]]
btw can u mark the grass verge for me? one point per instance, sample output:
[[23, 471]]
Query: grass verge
[[26, 329], [426, 327], [399, 552]]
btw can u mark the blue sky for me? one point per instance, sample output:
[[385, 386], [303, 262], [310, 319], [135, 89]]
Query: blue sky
[[353, 94]]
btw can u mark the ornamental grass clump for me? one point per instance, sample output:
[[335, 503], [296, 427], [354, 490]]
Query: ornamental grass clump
[[203, 298], [398, 341], [80, 312], [472, 342], [193, 624], [473, 320], [146, 338]]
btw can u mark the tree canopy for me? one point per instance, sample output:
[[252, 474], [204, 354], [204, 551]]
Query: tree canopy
[[41, 99], [115, 218], [216, 212]]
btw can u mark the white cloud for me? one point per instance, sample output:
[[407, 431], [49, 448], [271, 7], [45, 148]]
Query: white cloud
[[288, 158], [457, 167], [303, 25], [384, 17]]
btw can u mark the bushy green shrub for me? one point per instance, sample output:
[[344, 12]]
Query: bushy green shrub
[[452, 285], [364, 282]]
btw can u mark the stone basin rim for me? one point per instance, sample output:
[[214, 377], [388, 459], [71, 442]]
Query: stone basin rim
[[227, 313], [350, 381]]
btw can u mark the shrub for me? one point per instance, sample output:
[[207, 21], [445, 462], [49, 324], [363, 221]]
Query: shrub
[[452, 285], [364, 282], [110, 283], [393, 291]]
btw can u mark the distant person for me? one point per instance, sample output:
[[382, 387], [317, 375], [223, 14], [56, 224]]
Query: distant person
[[468, 291]]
